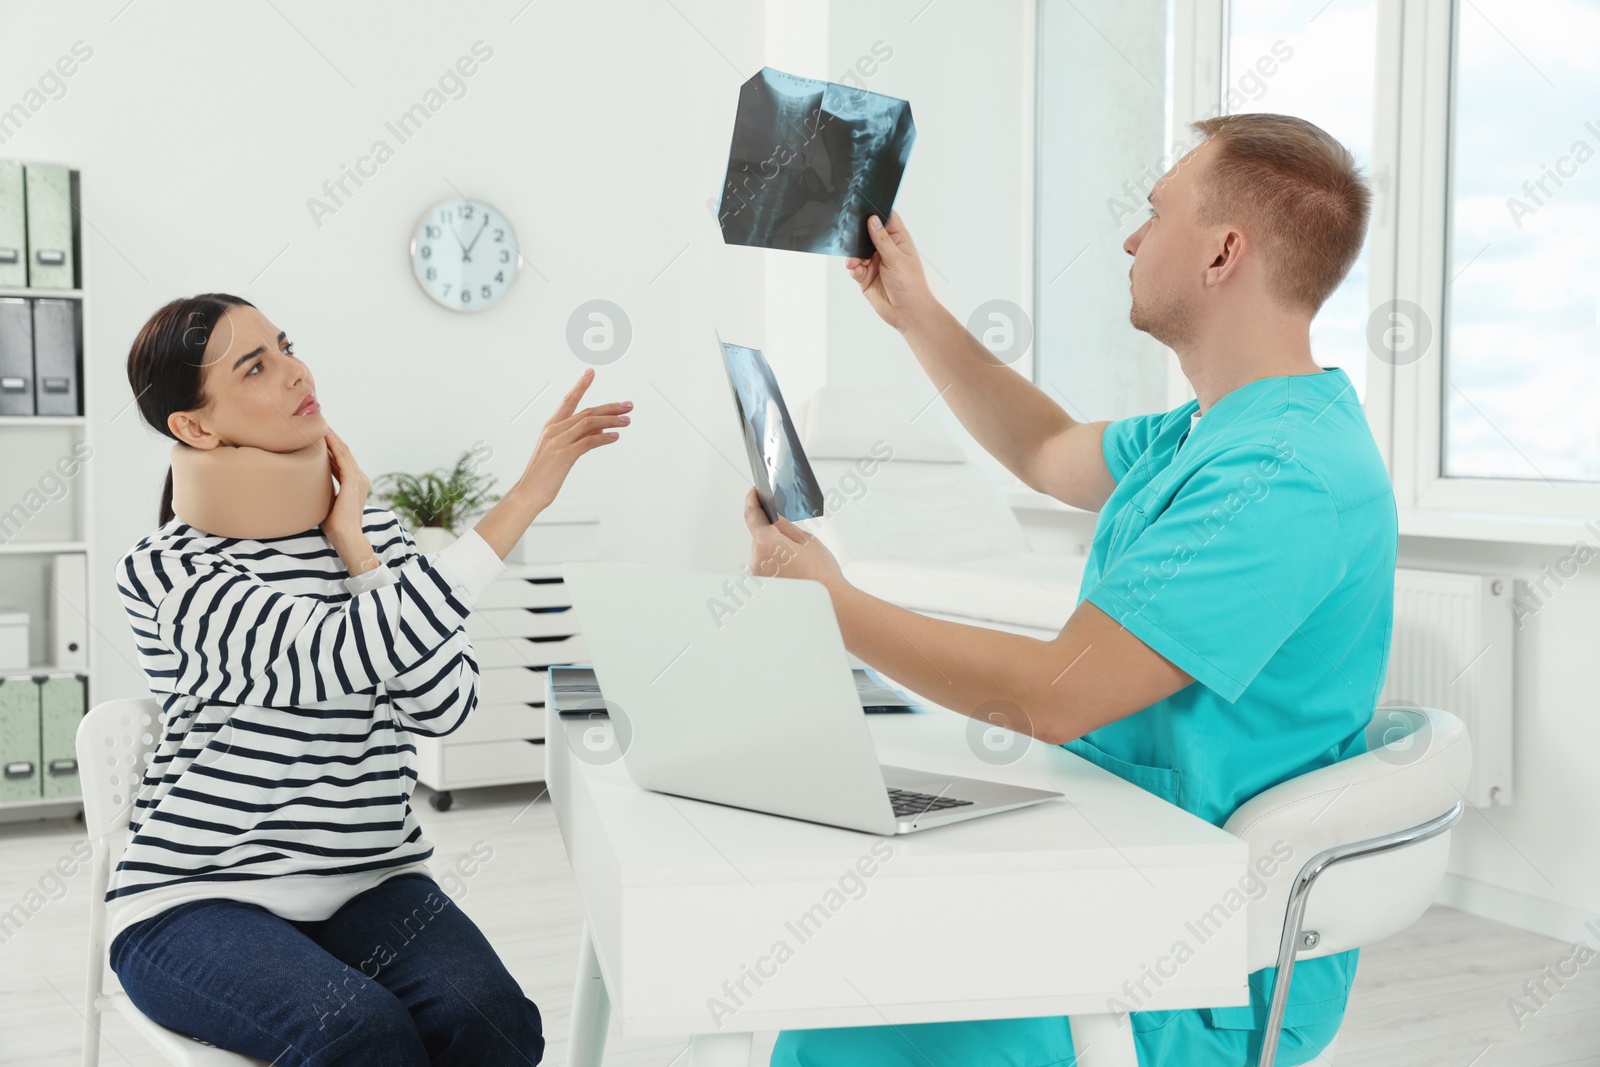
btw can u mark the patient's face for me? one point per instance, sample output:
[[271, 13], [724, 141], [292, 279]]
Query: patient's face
[[253, 383]]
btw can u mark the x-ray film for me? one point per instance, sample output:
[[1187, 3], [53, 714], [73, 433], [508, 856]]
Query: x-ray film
[[810, 161], [783, 476]]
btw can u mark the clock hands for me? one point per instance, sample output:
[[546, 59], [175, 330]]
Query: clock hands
[[468, 250]]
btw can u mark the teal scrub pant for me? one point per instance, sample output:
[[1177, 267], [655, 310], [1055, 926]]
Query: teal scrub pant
[[1163, 1039]]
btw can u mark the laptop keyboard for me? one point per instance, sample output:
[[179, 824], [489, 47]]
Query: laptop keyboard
[[906, 802]]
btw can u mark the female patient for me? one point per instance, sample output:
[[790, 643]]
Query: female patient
[[274, 897]]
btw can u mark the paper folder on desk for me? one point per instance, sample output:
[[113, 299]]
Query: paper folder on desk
[[576, 691]]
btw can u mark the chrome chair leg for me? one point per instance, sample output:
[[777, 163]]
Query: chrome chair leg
[[1291, 942]]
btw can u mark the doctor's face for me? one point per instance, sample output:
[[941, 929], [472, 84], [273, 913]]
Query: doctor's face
[[257, 391], [1170, 256]]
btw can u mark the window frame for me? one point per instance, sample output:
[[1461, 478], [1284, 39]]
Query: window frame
[[1409, 244]]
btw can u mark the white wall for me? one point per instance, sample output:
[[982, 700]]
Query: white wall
[[202, 130]]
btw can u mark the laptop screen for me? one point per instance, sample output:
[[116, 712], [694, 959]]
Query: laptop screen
[[783, 477]]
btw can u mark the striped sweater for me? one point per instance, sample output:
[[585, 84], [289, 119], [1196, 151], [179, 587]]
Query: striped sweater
[[290, 691]]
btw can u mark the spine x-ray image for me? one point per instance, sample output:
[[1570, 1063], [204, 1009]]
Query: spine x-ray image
[[783, 476], [810, 161]]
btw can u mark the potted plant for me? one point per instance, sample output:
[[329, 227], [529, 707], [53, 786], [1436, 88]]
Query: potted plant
[[434, 504]]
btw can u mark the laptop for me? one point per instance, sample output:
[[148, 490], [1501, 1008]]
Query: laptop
[[754, 708]]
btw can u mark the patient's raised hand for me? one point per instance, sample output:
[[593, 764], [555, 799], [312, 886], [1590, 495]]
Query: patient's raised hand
[[568, 434]]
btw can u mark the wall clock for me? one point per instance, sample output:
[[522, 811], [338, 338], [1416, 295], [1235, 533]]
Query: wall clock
[[464, 254]]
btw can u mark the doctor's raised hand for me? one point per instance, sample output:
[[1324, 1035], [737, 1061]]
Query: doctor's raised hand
[[892, 279], [783, 550]]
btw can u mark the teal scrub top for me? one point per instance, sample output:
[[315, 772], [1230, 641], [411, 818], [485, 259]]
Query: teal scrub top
[[1254, 549]]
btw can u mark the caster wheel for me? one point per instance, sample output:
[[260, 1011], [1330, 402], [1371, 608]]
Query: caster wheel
[[441, 801]]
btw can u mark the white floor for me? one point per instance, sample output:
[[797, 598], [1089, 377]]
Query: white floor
[[1438, 994]]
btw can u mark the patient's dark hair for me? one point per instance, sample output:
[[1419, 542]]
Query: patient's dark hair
[[166, 361]]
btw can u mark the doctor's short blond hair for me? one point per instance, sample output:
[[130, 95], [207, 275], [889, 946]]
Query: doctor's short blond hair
[[1293, 188]]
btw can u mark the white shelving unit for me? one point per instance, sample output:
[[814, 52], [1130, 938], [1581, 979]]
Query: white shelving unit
[[523, 625], [29, 449]]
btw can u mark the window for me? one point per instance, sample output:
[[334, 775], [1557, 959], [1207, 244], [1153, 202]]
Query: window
[[1102, 142], [1521, 388], [1477, 123], [1315, 60]]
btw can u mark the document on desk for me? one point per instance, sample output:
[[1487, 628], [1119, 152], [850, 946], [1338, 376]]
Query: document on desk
[[577, 692], [877, 695]]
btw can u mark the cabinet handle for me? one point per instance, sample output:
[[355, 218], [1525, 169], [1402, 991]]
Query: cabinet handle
[[21, 769]]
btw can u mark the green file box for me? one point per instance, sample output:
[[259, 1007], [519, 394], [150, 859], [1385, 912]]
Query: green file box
[[19, 739], [13, 227], [52, 197], [61, 708]]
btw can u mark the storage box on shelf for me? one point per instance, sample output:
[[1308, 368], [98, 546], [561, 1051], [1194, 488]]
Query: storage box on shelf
[[39, 716]]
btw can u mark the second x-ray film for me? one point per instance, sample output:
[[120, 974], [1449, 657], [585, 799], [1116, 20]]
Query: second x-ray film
[[783, 476], [810, 161]]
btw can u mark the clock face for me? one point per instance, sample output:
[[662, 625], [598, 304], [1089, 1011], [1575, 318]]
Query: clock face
[[464, 254]]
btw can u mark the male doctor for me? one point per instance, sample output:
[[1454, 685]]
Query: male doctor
[[1233, 625]]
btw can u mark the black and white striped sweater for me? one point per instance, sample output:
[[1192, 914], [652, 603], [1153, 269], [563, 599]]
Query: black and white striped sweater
[[290, 692]]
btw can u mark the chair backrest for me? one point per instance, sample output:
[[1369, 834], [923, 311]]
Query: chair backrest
[[923, 499], [1416, 768], [115, 742]]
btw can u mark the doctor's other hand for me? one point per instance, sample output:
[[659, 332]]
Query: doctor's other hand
[[569, 434], [786, 551], [892, 279]]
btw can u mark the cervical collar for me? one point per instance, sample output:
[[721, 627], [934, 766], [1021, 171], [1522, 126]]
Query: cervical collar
[[246, 492]]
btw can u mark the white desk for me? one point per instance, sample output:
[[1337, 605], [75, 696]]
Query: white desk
[[1049, 910]]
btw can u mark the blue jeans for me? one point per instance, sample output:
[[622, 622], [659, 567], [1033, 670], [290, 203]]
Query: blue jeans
[[398, 976]]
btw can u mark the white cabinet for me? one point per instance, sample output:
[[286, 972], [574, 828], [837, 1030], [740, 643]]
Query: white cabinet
[[522, 625]]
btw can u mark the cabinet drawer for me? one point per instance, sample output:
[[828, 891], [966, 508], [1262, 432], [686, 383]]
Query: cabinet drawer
[[499, 722], [521, 622], [510, 685], [528, 652], [523, 593], [492, 761]]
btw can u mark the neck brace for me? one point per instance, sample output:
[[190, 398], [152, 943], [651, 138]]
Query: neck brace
[[247, 492]]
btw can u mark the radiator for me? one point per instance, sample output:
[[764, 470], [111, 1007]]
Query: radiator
[[1452, 650]]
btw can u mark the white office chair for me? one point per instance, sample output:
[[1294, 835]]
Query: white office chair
[[1376, 829], [115, 741], [927, 529]]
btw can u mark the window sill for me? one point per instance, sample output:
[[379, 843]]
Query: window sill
[[1503, 529]]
